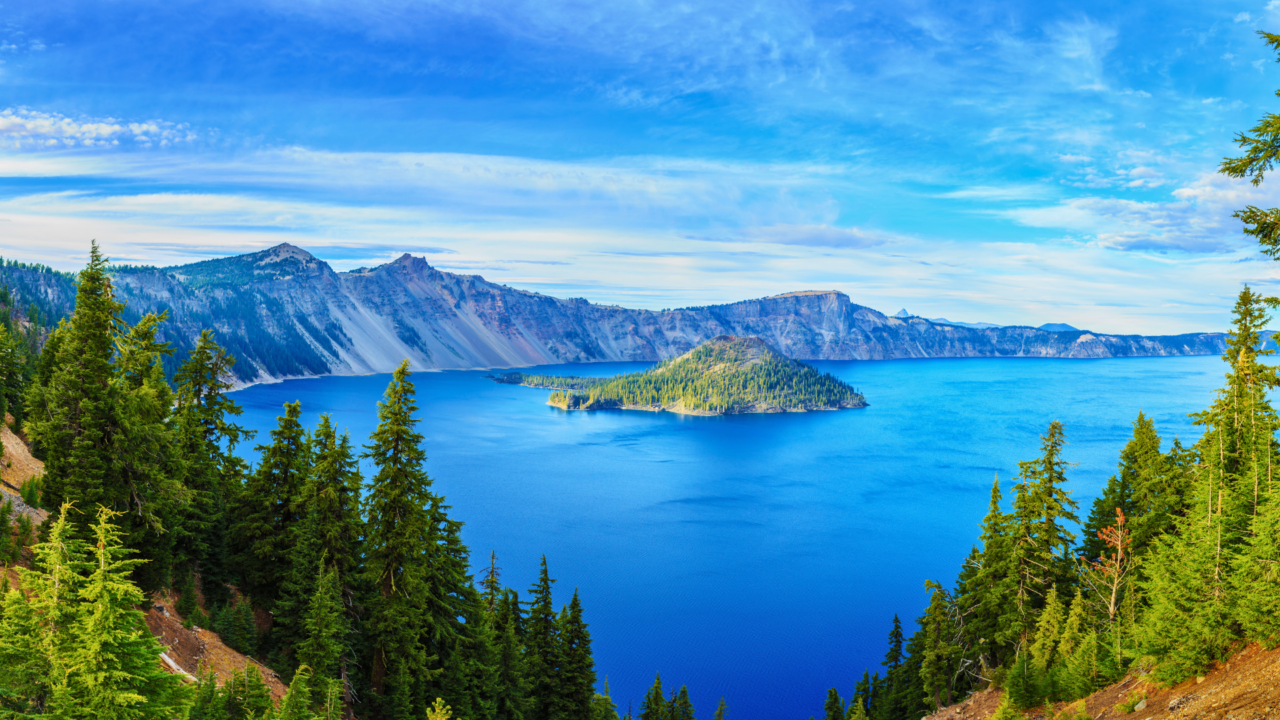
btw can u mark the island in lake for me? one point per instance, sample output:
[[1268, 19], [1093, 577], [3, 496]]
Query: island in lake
[[723, 376]]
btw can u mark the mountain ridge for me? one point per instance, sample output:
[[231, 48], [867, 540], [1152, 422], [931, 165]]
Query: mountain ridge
[[285, 313]]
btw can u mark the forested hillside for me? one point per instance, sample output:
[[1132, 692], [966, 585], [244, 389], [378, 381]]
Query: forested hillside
[[357, 591]]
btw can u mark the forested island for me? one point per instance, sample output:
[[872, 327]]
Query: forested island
[[726, 375]]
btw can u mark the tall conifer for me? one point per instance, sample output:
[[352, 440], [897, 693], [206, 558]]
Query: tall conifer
[[397, 564], [268, 508]]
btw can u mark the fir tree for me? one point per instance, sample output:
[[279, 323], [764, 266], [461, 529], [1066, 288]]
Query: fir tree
[[397, 564], [268, 508], [328, 534], [833, 708], [940, 651], [99, 415], [681, 707], [325, 630], [207, 437], [720, 710], [985, 594], [577, 675], [654, 706], [540, 644], [73, 644]]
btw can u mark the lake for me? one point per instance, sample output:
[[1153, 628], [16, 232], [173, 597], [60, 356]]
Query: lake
[[756, 557]]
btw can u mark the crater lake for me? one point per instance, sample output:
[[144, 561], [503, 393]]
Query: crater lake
[[756, 557]]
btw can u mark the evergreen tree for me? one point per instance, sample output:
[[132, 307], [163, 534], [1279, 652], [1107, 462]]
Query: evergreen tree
[[833, 708], [720, 710], [397, 565], [654, 706], [985, 592], [268, 508], [940, 651], [73, 643], [325, 630], [511, 700], [1190, 583], [99, 415], [681, 707], [207, 437], [327, 534], [540, 644], [577, 675]]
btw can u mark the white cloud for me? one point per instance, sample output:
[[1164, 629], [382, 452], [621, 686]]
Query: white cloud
[[1005, 192], [1069, 158], [1258, 64], [1243, 17], [1228, 56], [25, 128]]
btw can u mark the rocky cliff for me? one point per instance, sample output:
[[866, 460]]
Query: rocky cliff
[[285, 313]]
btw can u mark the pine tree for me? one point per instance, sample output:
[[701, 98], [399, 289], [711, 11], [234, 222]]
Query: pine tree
[[984, 596], [940, 652], [1049, 629], [268, 508], [325, 630], [512, 699], [577, 675], [540, 644], [207, 438], [1190, 582], [397, 564], [720, 710], [833, 708], [681, 707], [99, 415], [654, 706], [73, 644], [327, 534]]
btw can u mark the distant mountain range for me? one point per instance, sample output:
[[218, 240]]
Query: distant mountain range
[[285, 313]]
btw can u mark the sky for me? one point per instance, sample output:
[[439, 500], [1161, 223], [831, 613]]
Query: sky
[[1013, 162]]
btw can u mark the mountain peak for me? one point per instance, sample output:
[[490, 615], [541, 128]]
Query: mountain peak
[[279, 262], [283, 251]]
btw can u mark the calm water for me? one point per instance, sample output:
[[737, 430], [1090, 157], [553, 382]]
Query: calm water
[[757, 557]]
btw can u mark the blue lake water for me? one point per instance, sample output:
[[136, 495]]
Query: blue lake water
[[758, 557]]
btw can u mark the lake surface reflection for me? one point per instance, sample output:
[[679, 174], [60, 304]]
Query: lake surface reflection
[[758, 557]]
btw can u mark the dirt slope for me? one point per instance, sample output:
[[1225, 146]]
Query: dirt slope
[[17, 466], [189, 651], [1247, 687]]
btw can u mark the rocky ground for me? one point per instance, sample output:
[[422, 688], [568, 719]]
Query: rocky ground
[[1246, 687]]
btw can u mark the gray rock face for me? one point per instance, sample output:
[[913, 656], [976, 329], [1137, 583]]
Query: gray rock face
[[284, 313]]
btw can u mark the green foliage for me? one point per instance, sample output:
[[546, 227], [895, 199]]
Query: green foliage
[[398, 562], [1131, 702], [32, 491], [73, 644], [102, 420], [267, 508], [721, 375]]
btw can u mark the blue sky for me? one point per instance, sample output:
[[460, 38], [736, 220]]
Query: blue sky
[[1010, 162]]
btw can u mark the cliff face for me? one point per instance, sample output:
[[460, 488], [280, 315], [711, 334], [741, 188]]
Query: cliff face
[[284, 313]]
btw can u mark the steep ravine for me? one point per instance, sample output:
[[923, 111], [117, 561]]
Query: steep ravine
[[285, 313]]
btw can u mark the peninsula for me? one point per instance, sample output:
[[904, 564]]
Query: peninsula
[[723, 376]]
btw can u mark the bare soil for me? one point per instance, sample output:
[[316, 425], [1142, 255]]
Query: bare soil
[[1246, 687], [200, 650]]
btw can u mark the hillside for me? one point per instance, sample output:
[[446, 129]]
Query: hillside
[[1246, 687], [723, 376], [187, 650], [284, 313]]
